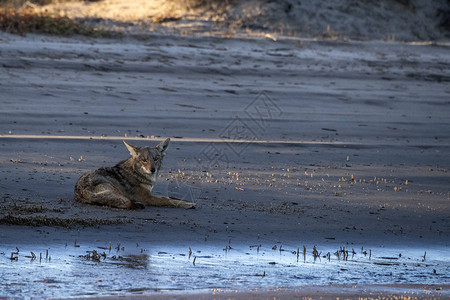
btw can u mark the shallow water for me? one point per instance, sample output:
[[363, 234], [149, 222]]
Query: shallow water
[[70, 271]]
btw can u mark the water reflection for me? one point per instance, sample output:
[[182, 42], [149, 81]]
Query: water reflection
[[135, 262]]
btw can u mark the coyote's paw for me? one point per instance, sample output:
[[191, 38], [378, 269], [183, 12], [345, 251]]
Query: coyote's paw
[[181, 203], [189, 205], [136, 205]]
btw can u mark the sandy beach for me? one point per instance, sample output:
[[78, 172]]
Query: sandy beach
[[287, 146]]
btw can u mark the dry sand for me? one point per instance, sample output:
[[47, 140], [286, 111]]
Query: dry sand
[[286, 143], [404, 20]]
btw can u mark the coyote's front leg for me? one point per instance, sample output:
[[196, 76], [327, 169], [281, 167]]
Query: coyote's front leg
[[169, 202]]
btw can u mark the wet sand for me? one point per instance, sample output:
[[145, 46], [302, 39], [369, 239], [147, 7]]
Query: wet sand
[[290, 143], [315, 292]]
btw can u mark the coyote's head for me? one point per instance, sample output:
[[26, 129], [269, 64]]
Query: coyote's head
[[147, 160]]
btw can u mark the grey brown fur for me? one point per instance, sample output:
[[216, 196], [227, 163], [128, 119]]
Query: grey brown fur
[[129, 183]]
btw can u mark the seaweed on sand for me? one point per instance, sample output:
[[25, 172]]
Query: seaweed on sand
[[52, 221]]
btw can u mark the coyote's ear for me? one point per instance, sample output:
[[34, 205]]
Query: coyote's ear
[[162, 147], [133, 149]]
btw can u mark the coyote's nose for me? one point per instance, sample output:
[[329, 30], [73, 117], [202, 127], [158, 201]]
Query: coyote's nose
[[153, 170]]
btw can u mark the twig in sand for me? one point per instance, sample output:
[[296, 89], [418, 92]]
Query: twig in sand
[[316, 253], [32, 256], [338, 255], [14, 258]]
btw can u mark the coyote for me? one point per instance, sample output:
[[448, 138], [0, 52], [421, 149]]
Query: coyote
[[129, 183]]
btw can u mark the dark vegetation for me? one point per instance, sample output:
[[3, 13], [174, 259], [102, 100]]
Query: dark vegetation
[[19, 3], [27, 21]]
